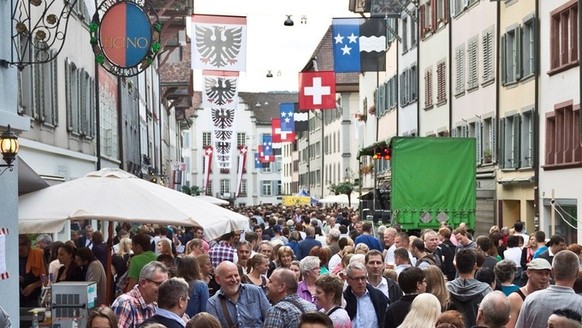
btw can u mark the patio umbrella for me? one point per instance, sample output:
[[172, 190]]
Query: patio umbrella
[[212, 200], [115, 195]]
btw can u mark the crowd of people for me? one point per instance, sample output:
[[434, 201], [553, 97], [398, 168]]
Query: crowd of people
[[314, 267]]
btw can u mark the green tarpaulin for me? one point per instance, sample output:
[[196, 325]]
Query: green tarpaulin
[[433, 178]]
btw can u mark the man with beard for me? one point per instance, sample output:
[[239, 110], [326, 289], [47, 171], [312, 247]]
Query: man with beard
[[236, 304]]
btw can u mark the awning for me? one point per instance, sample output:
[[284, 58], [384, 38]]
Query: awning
[[508, 180], [28, 179]]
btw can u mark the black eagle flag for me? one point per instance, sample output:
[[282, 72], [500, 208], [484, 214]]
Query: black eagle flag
[[219, 42]]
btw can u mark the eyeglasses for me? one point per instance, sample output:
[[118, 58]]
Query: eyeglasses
[[158, 283], [362, 278]]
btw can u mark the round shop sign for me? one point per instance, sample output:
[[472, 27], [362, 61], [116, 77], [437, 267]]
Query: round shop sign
[[124, 40]]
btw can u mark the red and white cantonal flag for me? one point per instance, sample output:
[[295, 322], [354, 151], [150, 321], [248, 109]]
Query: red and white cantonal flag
[[219, 42], [317, 90], [242, 163]]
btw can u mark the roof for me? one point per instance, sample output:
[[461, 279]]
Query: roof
[[268, 103]]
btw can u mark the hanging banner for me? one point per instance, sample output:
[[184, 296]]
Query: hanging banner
[[220, 89], [223, 135], [219, 42], [3, 269]]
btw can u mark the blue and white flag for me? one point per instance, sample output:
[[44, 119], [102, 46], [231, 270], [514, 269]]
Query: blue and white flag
[[359, 44]]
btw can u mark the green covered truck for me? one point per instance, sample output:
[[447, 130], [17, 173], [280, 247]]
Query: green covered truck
[[432, 181]]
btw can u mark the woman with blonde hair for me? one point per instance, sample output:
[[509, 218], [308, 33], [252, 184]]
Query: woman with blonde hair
[[285, 256], [424, 312], [195, 247], [258, 265], [361, 248], [296, 270], [164, 247], [436, 285]]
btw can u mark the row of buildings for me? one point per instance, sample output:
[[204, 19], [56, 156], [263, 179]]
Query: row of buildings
[[503, 72]]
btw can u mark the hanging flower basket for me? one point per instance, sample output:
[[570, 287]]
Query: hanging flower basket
[[361, 117], [372, 110]]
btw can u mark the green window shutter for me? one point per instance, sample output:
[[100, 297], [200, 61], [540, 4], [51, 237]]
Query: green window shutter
[[516, 141], [502, 143], [503, 61], [493, 139], [518, 51]]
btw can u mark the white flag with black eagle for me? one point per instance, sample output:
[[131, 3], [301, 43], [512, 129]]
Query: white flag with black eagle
[[219, 42]]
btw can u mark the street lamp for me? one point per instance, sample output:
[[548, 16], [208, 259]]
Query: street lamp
[[288, 21], [9, 148]]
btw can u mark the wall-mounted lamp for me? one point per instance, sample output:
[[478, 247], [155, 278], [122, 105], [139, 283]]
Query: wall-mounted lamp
[[288, 21], [269, 74], [9, 148]]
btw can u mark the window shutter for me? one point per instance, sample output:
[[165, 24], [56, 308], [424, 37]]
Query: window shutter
[[487, 56], [533, 46], [460, 71], [401, 90], [501, 147], [421, 15], [387, 97], [446, 10], [478, 141], [516, 141], [428, 88], [453, 7], [503, 61], [434, 19], [493, 139], [518, 51], [412, 84], [441, 83]]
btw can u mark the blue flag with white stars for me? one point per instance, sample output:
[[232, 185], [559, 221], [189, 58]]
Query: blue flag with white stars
[[359, 45]]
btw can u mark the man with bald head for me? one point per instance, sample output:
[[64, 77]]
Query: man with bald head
[[389, 235], [287, 305], [493, 311], [246, 304]]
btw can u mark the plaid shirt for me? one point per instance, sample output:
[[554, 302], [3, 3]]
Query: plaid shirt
[[221, 252], [131, 309], [285, 314]]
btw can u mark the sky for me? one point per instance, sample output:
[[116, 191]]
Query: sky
[[284, 50]]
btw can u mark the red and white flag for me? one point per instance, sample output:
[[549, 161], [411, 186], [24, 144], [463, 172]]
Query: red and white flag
[[242, 164], [279, 134], [207, 168], [317, 90], [219, 42]]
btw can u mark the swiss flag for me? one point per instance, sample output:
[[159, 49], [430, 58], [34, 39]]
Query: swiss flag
[[276, 130], [281, 135], [317, 90]]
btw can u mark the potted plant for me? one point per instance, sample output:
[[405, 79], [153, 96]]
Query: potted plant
[[487, 155]]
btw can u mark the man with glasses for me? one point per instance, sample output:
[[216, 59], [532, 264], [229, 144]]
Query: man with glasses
[[140, 303], [412, 282], [361, 297], [172, 301]]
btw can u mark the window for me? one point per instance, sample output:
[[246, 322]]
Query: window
[[47, 92], [413, 29], [224, 186], [441, 11], [404, 88], [527, 139], [510, 142], [428, 88], [460, 70], [412, 84], [511, 56], [441, 83], [405, 34], [564, 37], [528, 47], [206, 138], [489, 136], [80, 99], [425, 19], [472, 64], [209, 188], [563, 135], [458, 6], [241, 138], [266, 188], [488, 56]]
